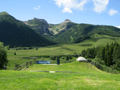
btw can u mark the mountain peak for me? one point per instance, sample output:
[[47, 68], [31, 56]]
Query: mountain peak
[[41, 20], [4, 13], [67, 20]]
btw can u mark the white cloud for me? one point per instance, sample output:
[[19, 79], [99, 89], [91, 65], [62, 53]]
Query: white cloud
[[118, 26], [112, 12], [37, 8], [67, 10], [100, 5], [68, 5]]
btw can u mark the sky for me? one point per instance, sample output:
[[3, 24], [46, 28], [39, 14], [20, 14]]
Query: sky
[[97, 12]]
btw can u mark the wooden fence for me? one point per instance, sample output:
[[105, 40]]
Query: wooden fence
[[24, 65]]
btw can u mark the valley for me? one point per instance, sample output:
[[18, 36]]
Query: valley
[[37, 40]]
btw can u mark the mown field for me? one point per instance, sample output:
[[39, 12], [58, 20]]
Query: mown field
[[80, 78]]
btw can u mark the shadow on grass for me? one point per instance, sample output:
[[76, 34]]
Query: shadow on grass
[[69, 49], [86, 44], [42, 56]]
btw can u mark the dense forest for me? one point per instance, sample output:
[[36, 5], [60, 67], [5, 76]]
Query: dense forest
[[108, 55], [15, 33]]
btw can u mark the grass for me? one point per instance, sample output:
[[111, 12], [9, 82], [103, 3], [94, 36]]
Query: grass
[[61, 49], [86, 79], [83, 79]]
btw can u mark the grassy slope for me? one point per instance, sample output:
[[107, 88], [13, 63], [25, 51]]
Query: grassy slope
[[80, 32], [86, 79], [64, 49]]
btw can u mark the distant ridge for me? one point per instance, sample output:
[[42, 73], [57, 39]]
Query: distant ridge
[[4, 13], [37, 32], [67, 20], [76, 33], [69, 32], [57, 28], [15, 33]]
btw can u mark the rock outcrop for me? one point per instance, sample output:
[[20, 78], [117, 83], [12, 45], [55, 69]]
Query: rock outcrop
[[39, 25]]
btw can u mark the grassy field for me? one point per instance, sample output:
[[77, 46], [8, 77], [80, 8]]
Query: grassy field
[[82, 78], [61, 49], [73, 76]]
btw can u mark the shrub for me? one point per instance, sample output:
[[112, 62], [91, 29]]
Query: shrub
[[53, 57]]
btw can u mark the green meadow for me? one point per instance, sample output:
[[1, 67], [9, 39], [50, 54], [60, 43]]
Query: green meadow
[[71, 76], [43, 53], [80, 78]]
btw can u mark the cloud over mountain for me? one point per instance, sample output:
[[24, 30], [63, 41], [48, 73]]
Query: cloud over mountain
[[118, 26], [68, 5], [100, 5]]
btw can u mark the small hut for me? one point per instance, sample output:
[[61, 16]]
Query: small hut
[[81, 59]]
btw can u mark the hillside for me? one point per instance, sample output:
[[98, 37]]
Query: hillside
[[16, 33], [24, 33], [57, 28], [80, 32], [42, 27], [69, 32]]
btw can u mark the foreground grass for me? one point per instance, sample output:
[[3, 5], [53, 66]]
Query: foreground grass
[[86, 79]]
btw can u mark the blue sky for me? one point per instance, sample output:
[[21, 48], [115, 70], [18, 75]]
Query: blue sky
[[98, 12]]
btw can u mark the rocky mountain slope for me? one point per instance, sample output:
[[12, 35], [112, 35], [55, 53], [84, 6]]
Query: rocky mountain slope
[[43, 28], [69, 32], [39, 25], [57, 28]]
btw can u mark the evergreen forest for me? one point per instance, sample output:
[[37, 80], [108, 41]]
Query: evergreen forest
[[108, 55]]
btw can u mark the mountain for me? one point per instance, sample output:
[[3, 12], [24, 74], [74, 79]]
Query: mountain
[[76, 33], [57, 28], [15, 33], [39, 25], [69, 32], [42, 27]]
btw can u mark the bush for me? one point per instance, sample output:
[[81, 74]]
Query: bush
[[99, 61], [53, 57], [75, 55], [36, 48], [14, 53], [30, 47], [24, 48]]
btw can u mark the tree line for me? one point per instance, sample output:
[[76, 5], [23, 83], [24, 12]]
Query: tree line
[[108, 55]]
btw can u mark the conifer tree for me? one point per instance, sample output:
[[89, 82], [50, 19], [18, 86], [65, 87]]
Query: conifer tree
[[3, 56]]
